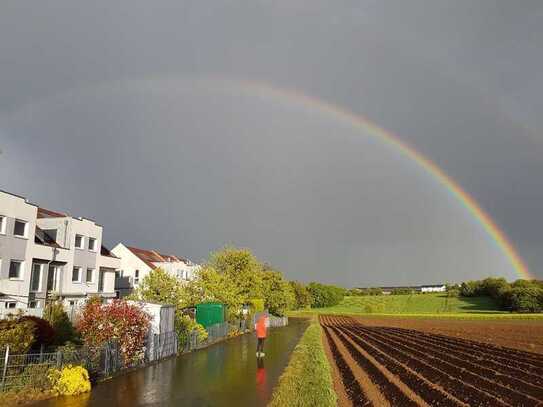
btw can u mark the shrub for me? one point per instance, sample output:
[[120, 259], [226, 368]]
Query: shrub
[[44, 334], [520, 299], [302, 296], [256, 304], [119, 321], [325, 295], [19, 335], [184, 325], [33, 376], [56, 316], [70, 380]]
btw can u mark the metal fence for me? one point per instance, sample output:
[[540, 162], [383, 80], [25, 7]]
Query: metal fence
[[17, 371]]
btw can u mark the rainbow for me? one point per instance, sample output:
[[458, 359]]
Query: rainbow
[[492, 229]]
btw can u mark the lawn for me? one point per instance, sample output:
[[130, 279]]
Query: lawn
[[427, 305]]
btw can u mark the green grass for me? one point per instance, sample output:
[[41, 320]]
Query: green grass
[[420, 305], [307, 380]]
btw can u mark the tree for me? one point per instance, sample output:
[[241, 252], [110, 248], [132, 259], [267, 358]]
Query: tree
[[279, 296], [118, 321], [524, 299], [161, 287], [44, 334], [302, 297], [210, 285], [64, 330], [325, 295], [242, 268]]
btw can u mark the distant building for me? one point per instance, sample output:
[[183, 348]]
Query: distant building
[[137, 263], [46, 254], [438, 288]]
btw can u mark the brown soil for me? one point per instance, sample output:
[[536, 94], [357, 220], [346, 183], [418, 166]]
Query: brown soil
[[526, 335], [411, 367]]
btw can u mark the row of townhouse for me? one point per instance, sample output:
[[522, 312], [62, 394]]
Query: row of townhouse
[[45, 254]]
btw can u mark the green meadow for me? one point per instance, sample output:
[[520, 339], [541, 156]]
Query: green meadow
[[420, 305]]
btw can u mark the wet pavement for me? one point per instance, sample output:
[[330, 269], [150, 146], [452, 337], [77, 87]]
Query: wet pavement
[[224, 374]]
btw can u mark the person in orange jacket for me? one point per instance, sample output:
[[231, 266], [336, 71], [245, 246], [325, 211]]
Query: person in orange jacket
[[261, 328]]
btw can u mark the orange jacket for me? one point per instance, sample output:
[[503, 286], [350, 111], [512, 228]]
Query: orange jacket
[[261, 330]]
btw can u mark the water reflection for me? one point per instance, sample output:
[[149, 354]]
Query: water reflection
[[224, 374]]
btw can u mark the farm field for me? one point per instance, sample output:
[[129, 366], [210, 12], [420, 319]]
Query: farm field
[[523, 334], [420, 305], [379, 366]]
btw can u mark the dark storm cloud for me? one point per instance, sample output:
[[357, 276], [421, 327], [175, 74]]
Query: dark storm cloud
[[461, 81]]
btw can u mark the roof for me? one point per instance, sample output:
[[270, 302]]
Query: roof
[[104, 251], [46, 213], [150, 257]]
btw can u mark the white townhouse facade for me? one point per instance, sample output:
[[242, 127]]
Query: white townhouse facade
[[137, 263], [46, 254]]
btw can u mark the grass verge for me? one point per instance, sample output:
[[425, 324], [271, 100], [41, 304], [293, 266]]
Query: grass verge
[[307, 380]]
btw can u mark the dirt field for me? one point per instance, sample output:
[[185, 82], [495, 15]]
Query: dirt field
[[525, 335], [379, 366]]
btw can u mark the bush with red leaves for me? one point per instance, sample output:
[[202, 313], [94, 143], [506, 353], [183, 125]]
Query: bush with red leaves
[[118, 321]]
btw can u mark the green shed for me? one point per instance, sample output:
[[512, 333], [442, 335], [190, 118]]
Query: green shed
[[210, 313]]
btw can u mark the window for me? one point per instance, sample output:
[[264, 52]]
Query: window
[[3, 225], [35, 279], [15, 269], [92, 244], [34, 304], [79, 241], [136, 277], [90, 275], [76, 275], [72, 303], [10, 305], [20, 228]]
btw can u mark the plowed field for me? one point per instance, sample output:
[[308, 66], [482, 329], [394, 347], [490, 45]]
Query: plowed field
[[401, 367]]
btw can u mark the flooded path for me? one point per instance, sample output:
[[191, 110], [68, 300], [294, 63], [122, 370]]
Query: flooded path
[[224, 374]]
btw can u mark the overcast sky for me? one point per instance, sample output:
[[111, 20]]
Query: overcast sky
[[134, 113]]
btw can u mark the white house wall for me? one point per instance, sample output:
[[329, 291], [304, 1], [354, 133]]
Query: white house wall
[[16, 248]]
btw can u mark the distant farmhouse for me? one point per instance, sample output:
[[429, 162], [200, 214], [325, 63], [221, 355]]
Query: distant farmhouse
[[433, 288]]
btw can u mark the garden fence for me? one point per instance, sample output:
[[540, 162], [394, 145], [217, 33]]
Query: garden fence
[[17, 371]]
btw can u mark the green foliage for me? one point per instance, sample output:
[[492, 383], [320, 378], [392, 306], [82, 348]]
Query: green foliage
[[242, 268], [524, 299], [184, 325], [365, 291], [33, 376], [256, 304], [19, 335], [279, 296], [44, 334], [325, 295], [519, 296], [56, 316], [161, 287], [302, 297], [307, 380], [402, 291], [70, 380], [212, 286]]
